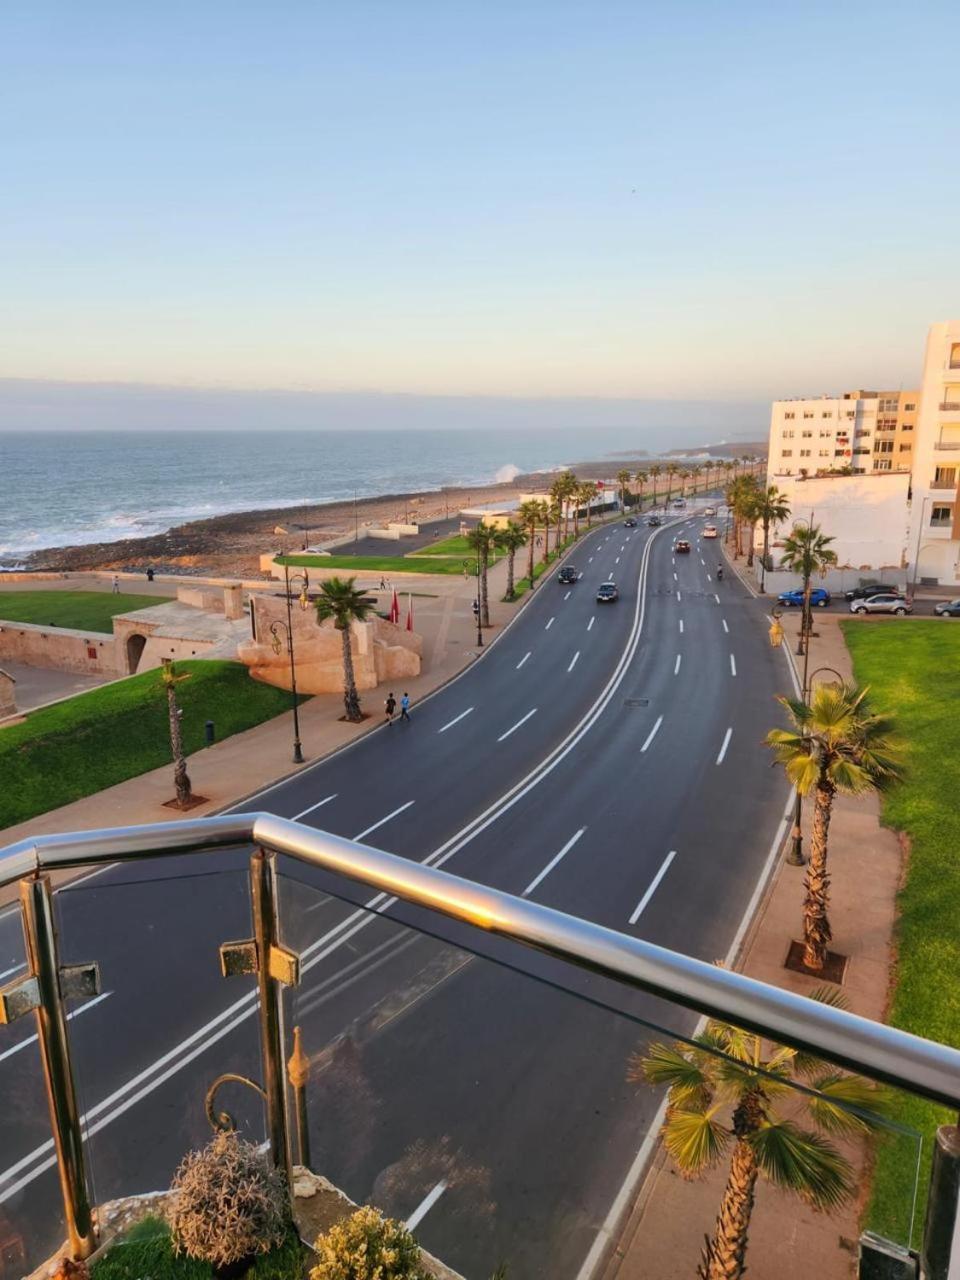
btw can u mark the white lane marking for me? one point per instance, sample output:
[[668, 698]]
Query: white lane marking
[[702, 561], [549, 625], [425, 1205], [523, 660], [589, 559], [716, 597], [676, 665], [653, 733], [725, 627], [678, 597], [13, 969], [675, 578], [591, 622], [638, 910], [726, 742], [709, 579], [366, 831], [617, 561], [22, 1044], [733, 665], [515, 727], [567, 596], [302, 814], [681, 626], [573, 662], [553, 862], [455, 720]]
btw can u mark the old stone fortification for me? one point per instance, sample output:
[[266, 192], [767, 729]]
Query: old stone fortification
[[61, 648], [382, 651]]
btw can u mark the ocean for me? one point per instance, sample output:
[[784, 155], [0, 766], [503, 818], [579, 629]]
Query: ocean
[[77, 487]]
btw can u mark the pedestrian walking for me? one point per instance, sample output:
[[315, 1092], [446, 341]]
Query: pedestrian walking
[[390, 707], [405, 708], [116, 585], [383, 583]]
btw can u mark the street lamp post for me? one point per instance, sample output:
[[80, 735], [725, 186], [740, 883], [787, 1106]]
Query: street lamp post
[[916, 558], [479, 603], [276, 628]]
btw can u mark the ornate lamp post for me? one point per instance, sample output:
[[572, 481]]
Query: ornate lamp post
[[276, 630]]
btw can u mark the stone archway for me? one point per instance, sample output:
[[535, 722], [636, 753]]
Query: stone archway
[[135, 646]]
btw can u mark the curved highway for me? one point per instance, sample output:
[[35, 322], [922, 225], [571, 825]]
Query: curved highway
[[604, 759]]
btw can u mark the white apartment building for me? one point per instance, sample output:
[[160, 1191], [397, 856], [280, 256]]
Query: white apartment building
[[935, 507], [867, 431]]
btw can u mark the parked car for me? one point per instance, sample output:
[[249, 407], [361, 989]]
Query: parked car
[[882, 604], [947, 609], [654, 522], [630, 523], [568, 575], [819, 596], [709, 530], [607, 593], [681, 547], [872, 589]]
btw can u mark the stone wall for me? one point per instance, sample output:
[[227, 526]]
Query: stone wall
[[61, 648], [8, 694]]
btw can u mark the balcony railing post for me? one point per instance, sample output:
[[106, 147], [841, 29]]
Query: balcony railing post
[[941, 1227], [36, 900], [263, 895]]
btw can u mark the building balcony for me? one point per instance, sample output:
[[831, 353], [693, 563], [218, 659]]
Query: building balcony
[[949, 406], [452, 1053], [945, 446]]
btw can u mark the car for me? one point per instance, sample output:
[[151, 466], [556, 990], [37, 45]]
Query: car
[[709, 511], [819, 596], [607, 593], [947, 609], [871, 589], [682, 547], [886, 603], [679, 504], [568, 575], [630, 523], [709, 530], [654, 522]]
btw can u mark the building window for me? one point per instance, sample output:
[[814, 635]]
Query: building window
[[882, 464], [851, 414], [839, 453], [790, 415], [825, 435], [888, 406], [909, 408], [955, 355], [861, 450], [905, 448], [808, 415], [945, 478], [883, 446], [824, 453], [906, 426], [806, 434], [940, 516], [804, 453], [827, 413], [788, 434], [786, 453]]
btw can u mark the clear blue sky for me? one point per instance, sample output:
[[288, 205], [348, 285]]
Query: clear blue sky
[[719, 201]]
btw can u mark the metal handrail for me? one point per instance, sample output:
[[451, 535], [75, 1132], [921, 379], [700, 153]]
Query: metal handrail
[[885, 1053]]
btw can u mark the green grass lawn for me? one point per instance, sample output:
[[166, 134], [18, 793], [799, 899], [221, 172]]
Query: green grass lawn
[[78, 747], [455, 546], [147, 1250], [356, 565], [82, 610], [913, 670]]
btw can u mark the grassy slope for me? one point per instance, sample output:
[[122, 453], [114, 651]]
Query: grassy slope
[[82, 610], [913, 671], [64, 752]]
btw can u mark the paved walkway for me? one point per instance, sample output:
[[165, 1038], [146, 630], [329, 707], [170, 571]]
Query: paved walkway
[[664, 1234], [37, 686]]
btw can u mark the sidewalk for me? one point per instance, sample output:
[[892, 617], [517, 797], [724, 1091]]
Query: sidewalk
[[664, 1234]]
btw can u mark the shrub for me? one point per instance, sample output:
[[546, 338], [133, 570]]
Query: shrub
[[366, 1246], [228, 1203]]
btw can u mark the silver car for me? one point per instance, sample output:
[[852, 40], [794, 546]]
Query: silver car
[[882, 604]]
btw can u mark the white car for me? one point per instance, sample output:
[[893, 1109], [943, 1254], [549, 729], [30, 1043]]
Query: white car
[[710, 511], [709, 530]]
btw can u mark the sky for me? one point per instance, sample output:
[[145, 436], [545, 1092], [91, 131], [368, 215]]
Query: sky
[[693, 201]]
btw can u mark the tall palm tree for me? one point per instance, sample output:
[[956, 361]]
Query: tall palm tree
[[482, 539], [586, 495], [807, 551], [623, 479], [772, 508], [723, 1091], [340, 600], [181, 779], [510, 539], [655, 472], [641, 478], [568, 489], [672, 471], [836, 744], [558, 496], [555, 510], [531, 515]]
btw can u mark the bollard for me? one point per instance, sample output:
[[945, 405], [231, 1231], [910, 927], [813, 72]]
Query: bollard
[[940, 1227], [209, 732]]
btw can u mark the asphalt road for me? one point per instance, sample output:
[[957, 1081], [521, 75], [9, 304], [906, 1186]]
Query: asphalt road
[[604, 759]]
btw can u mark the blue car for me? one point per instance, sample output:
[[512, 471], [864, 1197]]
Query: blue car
[[818, 596]]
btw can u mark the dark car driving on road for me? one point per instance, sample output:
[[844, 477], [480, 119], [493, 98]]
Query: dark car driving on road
[[607, 593], [654, 522], [630, 523], [682, 546], [568, 575], [871, 589]]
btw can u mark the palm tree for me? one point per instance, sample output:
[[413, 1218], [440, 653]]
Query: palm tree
[[585, 495], [806, 551], [482, 540], [655, 472], [724, 1088], [181, 779], [623, 479], [531, 515], [772, 508], [340, 600], [672, 471], [568, 484], [836, 744], [555, 510], [641, 478], [510, 539], [558, 496]]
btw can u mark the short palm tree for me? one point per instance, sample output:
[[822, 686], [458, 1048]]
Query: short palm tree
[[836, 744], [181, 779], [339, 599], [623, 479], [531, 517], [772, 508], [482, 540], [510, 539], [807, 551], [727, 1087], [641, 478], [656, 471]]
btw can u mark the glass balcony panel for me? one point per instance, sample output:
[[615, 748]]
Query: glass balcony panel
[[488, 1094]]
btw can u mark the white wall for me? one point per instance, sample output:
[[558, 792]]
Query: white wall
[[933, 546], [866, 515]]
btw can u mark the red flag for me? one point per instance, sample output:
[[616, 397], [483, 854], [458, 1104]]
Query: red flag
[[409, 612], [395, 607]]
